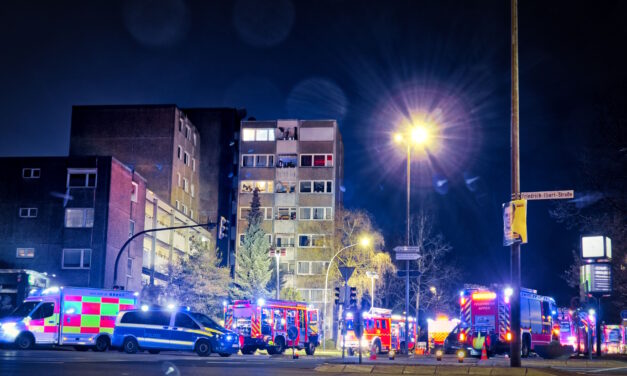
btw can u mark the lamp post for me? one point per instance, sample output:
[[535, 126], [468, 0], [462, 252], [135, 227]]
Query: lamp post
[[363, 242], [372, 276], [416, 135]]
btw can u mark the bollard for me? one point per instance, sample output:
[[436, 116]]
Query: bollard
[[391, 354]]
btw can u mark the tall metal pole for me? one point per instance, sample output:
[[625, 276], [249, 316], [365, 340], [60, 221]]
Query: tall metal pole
[[372, 292], [278, 281], [597, 327], [406, 347], [516, 343]]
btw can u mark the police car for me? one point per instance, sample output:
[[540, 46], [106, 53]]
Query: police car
[[156, 329]]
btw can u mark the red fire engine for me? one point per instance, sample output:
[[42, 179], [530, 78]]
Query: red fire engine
[[398, 332], [377, 324], [265, 325], [485, 312], [574, 328]]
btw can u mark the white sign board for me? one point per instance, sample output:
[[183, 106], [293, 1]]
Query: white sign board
[[548, 195], [407, 248], [407, 256], [596, 247]]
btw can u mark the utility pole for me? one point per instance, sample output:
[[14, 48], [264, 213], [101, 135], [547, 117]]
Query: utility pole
[[406, 347], [515, 347]]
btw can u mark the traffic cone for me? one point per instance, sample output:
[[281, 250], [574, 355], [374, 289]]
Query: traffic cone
[[373, 352], [484, 352]]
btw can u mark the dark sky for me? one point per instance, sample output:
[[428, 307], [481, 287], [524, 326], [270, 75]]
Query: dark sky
[[365, 63]]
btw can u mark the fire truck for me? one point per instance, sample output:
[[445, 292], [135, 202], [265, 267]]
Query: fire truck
[[377, 325], [438, 331], [266, 324], [485, 312], [398, 332], [574, 326]]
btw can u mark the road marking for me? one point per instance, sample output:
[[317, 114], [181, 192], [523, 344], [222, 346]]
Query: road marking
[[607, 369]]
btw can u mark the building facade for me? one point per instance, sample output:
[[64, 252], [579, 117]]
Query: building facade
[[69, 217], [157, 141], [188, 156], [297, 165]]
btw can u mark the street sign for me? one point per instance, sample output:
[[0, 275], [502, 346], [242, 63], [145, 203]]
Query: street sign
[[403, 273], [623, 314], [407, 256], [548, 195], [407, 248], [346, 272]]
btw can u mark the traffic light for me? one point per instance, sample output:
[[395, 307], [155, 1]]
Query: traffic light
[[352, 297], [223, 230], [338, 296]]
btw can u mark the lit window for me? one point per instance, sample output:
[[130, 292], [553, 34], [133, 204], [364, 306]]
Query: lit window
[[134, 188], [25, 253], [31, 173], [248, 134], [28, 212], [79, 217], [264, 186], [76, 259], [78, 178], [285, 214], [285, 187], [261, 135]]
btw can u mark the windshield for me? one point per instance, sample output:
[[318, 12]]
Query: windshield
[[24, 309], [204, 320]]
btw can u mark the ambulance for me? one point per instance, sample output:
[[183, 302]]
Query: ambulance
[[81, 317]]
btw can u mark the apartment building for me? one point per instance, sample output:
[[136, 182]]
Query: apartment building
[[69, 217], [297, 165]]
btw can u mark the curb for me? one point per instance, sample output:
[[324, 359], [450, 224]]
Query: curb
[[429, 370]]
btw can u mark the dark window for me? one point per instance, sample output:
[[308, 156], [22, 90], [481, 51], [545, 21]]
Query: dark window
[[318, 186], [132, 318], [44, 310], [304, 241], [305, 160], [248, 161], [160, 318], [305, 187], [384, 324], [329, 186], [183, 321]]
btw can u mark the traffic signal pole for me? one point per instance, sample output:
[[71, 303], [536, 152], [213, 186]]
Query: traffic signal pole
[[515, 347]]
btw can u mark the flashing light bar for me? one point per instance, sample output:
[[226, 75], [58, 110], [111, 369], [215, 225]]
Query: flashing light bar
[[508, 336], [486, 295]]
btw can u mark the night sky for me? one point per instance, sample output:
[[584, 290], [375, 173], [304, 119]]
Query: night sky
[[366, 64]]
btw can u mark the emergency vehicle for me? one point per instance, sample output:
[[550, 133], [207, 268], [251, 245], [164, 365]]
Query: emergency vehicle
[[438, 331], [612, 339], [377, 326], [82, 317], [398, 332], [264, 325], [573, 328], [485, 312]]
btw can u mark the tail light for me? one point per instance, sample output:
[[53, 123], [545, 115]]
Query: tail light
[[462, 337], [508, 336]]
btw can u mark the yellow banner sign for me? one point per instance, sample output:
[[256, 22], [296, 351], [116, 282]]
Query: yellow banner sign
[[515, 222]]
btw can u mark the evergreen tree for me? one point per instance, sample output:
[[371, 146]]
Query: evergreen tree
[[253, 269]]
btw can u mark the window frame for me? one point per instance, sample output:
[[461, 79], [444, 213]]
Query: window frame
[[312, 238], [82, 171], [256, 134], [328, 160], [312, 184], [31, 171], [134, 191], [82, 261], [265, 209], [327, 213], [269, 186], [84, 217], [29, 252], [290, 244], [291, 212], [270, 160], [29, 212]]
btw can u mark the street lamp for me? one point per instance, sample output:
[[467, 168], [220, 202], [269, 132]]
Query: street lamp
[[364, 241], [372, 276], [416, 135]]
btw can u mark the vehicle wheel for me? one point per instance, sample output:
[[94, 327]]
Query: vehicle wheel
[[271, 350], [102, 344], [248, 350], [402, 348], [525, 348], [225, 355], [351, 352], [130, 346], [279, 345], [203, 348], [155, 352], [310, 348], [25, 341], [81, 348]]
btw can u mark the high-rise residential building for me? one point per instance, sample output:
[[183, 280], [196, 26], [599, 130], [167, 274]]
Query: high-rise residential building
[[69, 217], [158, 141], [188, 156], [297, 165]]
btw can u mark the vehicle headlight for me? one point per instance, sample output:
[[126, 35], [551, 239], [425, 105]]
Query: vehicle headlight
[[229, 337], [8, 325], [9, 329]]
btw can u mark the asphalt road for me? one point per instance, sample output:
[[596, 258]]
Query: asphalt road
[[52, 362]]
